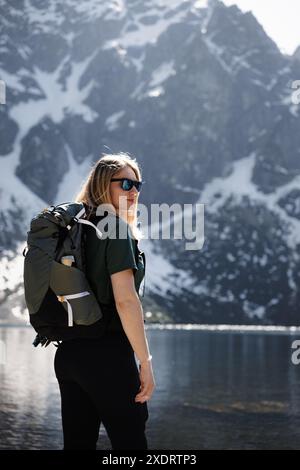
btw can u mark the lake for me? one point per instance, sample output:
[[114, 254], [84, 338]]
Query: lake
[[215, 389]]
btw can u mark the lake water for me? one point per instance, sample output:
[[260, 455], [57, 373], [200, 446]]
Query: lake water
[[214, 390]]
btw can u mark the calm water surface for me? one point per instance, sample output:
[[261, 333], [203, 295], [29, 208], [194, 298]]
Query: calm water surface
[[214, 390]]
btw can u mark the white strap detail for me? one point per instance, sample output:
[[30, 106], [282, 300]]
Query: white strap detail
[[83, 221], [65, 298], [80, 213], [87, 222], [77, 216]]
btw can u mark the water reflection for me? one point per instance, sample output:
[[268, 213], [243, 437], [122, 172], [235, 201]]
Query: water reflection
[[214, 390]]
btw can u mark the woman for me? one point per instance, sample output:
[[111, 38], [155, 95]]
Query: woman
[[98, 378]]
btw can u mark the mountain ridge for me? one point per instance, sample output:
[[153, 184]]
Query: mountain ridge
[[202, 98]]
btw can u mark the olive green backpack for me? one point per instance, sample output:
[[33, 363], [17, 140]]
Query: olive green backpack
[[59, 299]]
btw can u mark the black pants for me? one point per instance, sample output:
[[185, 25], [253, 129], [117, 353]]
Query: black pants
[[98, 381]]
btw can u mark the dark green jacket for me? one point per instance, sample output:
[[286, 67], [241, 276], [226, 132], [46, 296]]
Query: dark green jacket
[[108, 256]]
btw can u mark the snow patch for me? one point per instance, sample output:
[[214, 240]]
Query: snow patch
[[112, 121], [200, 4], [239, 184], [145, 34], [162, 277], [156, 92], [253, 310], [11, 274], [162, 73], [74, 178]]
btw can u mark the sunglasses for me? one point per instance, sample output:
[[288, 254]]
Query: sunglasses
[[127, 184]]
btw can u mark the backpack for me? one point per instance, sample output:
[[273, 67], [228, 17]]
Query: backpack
[[59, 299]]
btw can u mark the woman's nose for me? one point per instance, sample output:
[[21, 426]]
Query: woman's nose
[[134, 191]]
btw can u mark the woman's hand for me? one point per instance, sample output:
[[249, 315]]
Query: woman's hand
[[147, 382]]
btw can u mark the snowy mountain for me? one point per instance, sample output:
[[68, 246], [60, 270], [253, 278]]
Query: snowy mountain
[[202, 97]]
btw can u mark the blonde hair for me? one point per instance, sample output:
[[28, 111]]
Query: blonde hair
[[95, 189]]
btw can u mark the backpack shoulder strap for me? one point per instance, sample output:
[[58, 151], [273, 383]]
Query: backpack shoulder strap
[[79, 219], [87, 222]]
